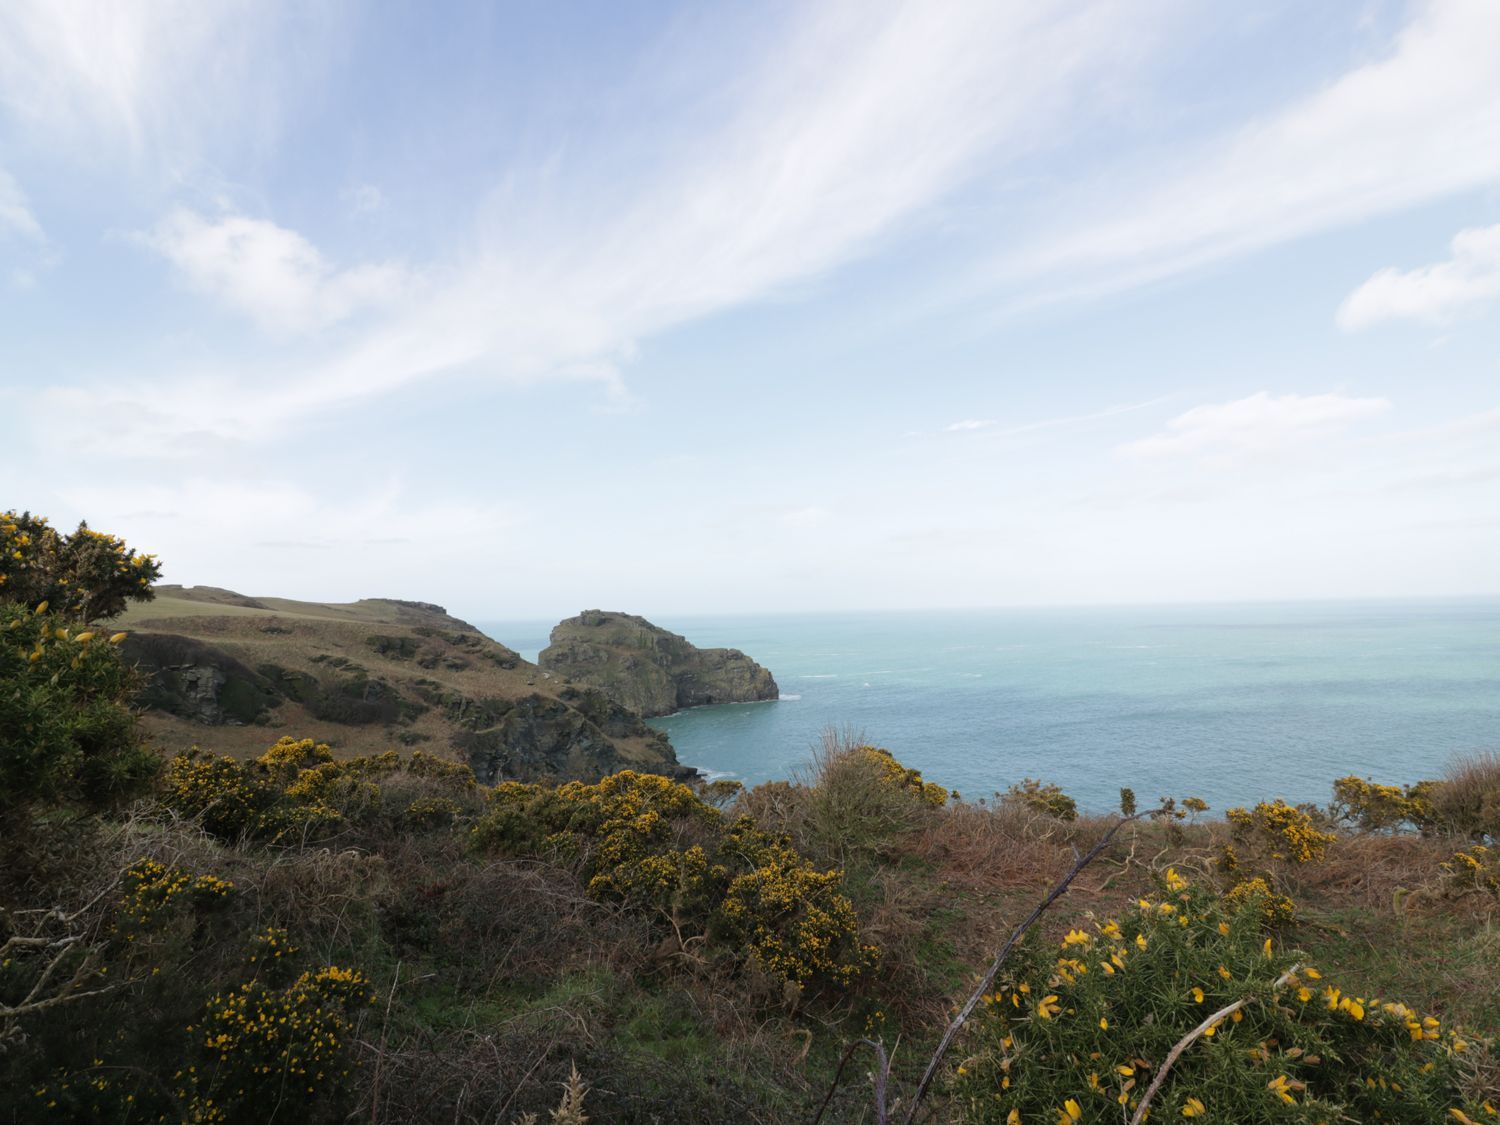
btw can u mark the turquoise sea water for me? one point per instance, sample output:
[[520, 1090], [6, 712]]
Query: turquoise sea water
[[1231, 703]]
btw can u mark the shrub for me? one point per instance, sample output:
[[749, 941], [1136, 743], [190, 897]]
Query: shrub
[[1077, 1030], [1256, 894], [656, 846], [1467, 799], [1375, 807], [69, 735], [84, 576], [858, 802], [1047, 799], [1291, 834], [261, 1043], [296, 791], [1476, 869]]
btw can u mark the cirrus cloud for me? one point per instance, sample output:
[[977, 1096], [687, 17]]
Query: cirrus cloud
[[1258, 423]]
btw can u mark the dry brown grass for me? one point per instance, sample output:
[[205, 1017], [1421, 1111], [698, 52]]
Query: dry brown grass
[[1005, 847], [1467, 799]]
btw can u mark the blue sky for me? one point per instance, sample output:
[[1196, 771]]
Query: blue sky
[[778, 306]]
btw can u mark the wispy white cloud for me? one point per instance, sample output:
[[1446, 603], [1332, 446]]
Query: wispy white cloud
[[15, 212], [1421, 123], [848, 125], [1257, 424], [269, 273], [167, 78], [1066, 420], [1435, 293]]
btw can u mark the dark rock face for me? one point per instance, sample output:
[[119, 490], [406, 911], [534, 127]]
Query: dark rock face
[[193, 680], [649, 670]]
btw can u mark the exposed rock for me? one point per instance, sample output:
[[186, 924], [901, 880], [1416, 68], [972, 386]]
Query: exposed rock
[[196, 681], [649, 670]]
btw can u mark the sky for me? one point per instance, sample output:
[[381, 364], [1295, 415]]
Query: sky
[[750, 307]]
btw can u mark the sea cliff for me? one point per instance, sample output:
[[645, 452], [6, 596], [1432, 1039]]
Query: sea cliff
[[648, 669]]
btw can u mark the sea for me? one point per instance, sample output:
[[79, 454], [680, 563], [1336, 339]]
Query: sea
[[1230, 703]]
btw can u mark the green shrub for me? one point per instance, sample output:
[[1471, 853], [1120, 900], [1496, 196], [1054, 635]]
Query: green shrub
[[1288, 833], [656, 846], [1077, 1031], [1375, 807], [297, 792], [85, 576], [1047, 799], [68, 732]]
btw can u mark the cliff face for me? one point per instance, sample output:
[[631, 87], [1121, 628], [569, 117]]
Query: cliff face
[[233, 674], [649, 670]]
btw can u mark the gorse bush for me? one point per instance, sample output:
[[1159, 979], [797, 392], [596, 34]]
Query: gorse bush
[[85, 576], [1288, 833], [1475, 869], [296, 791], [1046, 799], [653, 844], [1375, 807], [66, 728], [1078, 1030], [261, 1044]]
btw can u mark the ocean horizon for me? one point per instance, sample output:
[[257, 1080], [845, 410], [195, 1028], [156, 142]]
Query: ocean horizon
[[1233, 703]]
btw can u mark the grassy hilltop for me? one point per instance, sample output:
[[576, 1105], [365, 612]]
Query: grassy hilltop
[[235, 672]]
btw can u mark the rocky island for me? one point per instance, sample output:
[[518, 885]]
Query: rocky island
[[648, 669], [369, 676]]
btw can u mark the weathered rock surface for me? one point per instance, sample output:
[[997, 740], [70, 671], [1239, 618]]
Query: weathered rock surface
[[649, 670], [233, 674]]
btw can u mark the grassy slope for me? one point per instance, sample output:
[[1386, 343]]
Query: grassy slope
[[293, 635]]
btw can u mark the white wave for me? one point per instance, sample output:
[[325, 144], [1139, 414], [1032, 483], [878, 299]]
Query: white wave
[[790, 698], [824, 676]]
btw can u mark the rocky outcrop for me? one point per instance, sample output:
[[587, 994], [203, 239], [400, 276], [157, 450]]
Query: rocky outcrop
[[233, 674], [649, 670]]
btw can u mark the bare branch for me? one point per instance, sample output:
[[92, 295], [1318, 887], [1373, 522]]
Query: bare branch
[[1190, 1038], [989, 977]]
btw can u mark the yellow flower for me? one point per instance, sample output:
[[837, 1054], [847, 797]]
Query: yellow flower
[[1047, 1006], [1197, 995], [1266, 949], [1076, 937], [1103, 1024], [1071, 1111], [1225, 973], [1175, 882], [116, 638], [1125, 1069], [1281, 1086], [1193, 1107], [1013, 1117]]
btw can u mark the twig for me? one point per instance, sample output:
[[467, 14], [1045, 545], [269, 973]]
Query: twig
[[882, 1067], [380, 1058], [1187, 1041], [989, 977]]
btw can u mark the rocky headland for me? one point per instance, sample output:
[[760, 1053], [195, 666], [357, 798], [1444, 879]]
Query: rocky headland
[[649, 670], [369, 676]]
